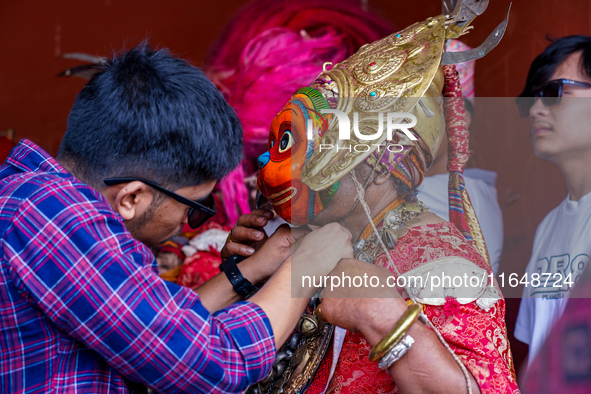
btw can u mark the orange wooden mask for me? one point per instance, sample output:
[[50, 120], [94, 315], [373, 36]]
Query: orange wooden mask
[[289, 149]]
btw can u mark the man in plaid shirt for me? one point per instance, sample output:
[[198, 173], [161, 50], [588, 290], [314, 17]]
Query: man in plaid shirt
[[81, 306]]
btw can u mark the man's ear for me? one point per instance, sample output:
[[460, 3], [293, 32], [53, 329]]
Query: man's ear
[[133, 199], [381, 178]]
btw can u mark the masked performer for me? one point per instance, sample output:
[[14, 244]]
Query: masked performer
[[352, 148], [269, 50]]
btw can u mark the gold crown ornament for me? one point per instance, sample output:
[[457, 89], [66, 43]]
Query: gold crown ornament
[[399, 74]]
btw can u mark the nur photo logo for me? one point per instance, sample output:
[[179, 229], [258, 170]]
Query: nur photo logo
[[390, 121]]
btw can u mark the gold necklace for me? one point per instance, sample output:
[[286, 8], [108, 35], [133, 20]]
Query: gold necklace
[[395, 224]]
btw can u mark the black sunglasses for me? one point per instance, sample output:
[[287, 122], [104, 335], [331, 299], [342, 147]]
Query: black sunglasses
[[200, 211], [550, 94]]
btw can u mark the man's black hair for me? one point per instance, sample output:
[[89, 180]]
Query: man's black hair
[[545, 64], [151, 115]]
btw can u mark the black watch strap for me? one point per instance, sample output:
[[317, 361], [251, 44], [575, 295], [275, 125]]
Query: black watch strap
[[241, 285]]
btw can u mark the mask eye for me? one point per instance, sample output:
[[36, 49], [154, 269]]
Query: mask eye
[[286, 141], [271, 144]]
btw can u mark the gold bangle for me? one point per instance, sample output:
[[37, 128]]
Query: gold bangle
[[394, 336]]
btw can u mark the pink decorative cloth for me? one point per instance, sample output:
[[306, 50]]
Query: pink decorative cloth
[[266, 53]]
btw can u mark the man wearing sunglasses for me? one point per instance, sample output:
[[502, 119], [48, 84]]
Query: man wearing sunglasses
[[82, 308], [557, 98]]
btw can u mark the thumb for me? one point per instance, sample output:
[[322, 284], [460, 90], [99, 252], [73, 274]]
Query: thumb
[[284, 232], [298, 233]]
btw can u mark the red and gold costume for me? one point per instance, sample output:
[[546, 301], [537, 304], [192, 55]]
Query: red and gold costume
[[407, 74], [476, 335]]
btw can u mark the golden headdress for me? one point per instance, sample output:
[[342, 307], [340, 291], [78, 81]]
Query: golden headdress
[[401, 73], [398, 74]]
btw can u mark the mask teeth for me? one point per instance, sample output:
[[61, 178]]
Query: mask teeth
[[426, 110]]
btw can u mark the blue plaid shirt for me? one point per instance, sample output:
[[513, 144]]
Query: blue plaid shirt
[[83, 310]]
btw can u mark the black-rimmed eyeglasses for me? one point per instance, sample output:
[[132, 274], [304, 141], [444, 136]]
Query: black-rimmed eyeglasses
[[550, 94], [200, 210]]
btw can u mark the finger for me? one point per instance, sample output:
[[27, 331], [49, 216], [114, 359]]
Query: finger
[[258, 218], [245, 234], [283, 230], [282, 237], [299, 232], [239, 249], [264, 212]]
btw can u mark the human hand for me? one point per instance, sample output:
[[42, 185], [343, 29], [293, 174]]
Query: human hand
[[271, 254], [320, 250], [248, 234], [275, 250], [363, 303]]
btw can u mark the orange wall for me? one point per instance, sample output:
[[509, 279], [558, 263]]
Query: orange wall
[[34, 34]]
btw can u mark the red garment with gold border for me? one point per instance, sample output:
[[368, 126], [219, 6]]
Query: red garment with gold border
[[477, 336]]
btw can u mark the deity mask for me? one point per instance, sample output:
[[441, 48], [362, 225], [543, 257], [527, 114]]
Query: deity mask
[[289, 149]]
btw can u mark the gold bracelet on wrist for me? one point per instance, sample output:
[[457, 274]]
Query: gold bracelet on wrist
[[394, 336]]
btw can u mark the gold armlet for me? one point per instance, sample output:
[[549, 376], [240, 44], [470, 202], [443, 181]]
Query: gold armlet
[[394, 336]]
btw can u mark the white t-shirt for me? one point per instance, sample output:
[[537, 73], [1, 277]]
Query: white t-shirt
[[483, 195], [561, 247]]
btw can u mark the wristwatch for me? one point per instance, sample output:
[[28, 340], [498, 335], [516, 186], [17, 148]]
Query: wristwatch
[[241, 285]]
